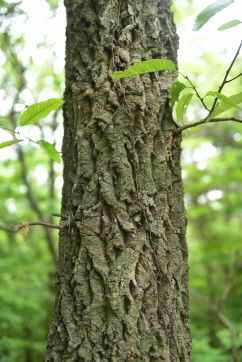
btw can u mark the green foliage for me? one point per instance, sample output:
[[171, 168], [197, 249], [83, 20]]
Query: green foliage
[[179, 14], [26, 263], [229, 24], [32, 115], [53, 3], [181, 108], [176, 88], [9, 143], [26, 267], [224, 106], [26, 298], [213, 202], [161, 65], [50, 150], [209, 12], [214, 224], [223, 98], [39, 110], [147, 66], [214, 227]]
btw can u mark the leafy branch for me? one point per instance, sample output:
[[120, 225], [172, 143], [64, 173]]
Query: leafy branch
[[176, 88], [25, 225], [210, 11], [226, 75], [30, 116], [226, 102]]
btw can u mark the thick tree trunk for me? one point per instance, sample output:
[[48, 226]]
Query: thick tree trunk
[[122, 279]]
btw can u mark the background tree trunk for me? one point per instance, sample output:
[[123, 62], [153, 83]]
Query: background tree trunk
[[122, 278]]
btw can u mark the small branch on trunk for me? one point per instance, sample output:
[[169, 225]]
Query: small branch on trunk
[[16, 228], [194, 124]]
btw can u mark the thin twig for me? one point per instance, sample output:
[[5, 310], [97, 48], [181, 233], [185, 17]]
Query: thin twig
[[194, 124], [197, 94], [60, 215], [225, 77], [230, 80], [16, 132], [16, 228]]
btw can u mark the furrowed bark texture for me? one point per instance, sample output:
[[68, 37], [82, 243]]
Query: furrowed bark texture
[[122, 278]]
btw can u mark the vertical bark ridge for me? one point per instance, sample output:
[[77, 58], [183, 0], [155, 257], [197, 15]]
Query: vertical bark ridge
[[122, 275]]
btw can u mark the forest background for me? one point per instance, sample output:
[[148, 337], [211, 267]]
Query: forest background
[[32, 70]]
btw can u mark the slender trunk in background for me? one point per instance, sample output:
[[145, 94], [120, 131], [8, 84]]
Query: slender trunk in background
[[122, 278]]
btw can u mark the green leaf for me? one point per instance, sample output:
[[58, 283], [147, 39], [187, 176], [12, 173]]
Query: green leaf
[[223, 98], [229, 24], [236, 99], [147, 66], [176, 88], [50, 150], [209, 12], [181, 108], [39, 110], [9, 143]]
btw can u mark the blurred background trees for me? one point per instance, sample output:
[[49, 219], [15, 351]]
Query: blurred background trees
[[32, 64], [30, 181]]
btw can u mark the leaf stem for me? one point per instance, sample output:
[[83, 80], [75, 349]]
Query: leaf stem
[[18, 133], [16, 228], [230, 80], [194, 88]]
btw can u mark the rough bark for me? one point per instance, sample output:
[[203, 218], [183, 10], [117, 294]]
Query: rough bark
[[122, 278]]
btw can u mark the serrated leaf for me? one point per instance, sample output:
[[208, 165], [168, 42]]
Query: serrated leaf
[[229, 24], [9, 143], [39, 110], [209, 12], [236, 99], [176, 88], [223, 98], [148, 66], [181, 108], [50, 150]]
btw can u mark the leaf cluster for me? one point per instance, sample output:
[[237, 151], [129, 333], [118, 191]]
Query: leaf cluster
[[30, 116], [177, 87], [221, 103]]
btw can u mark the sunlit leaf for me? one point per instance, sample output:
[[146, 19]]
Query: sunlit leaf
[[209, 12], [39, 110], [9, 143], [176, 88], [50, 150], [229, 24], [181, 108], [147, 66], [236, 99], [223, 98]]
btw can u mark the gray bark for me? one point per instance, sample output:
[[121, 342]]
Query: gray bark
[[122, 278]]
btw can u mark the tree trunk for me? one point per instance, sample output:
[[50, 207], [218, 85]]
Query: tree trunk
[[122, 278]]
